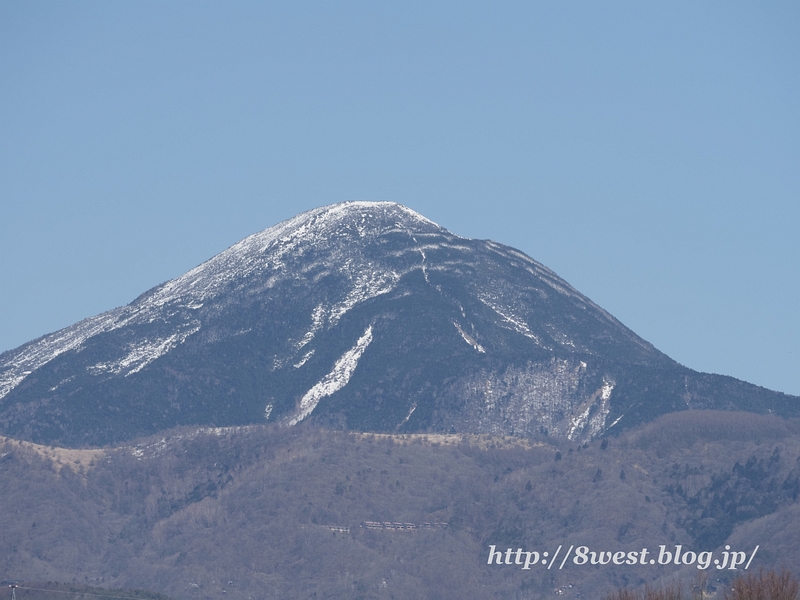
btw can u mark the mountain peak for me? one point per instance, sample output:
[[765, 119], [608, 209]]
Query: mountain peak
[[367, 210], [338, 228], [362, 217]]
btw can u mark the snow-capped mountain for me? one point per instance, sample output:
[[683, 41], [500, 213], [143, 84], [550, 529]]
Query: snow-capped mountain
[[363, 315]]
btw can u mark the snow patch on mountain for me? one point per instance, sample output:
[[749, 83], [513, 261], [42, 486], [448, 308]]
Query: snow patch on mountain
[[143, 353], [335, 380], [36, 354], [542, 396], [305, 358], [469, 339], [421, 250], [591, 419], [408, 416], [317, 320], [368, 284], [517, 324]]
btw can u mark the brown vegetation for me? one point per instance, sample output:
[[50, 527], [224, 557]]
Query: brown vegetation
[[77, 460], [764, 586], [266, 512], [670, 592], [61, 591], [761, 586]]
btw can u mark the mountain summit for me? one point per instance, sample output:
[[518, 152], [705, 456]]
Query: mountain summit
[[360, 315]]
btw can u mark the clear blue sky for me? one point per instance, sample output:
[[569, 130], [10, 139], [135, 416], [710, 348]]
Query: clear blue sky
[[648, 152]]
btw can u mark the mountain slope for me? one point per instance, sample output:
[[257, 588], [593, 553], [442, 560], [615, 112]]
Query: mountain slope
[[271, 512], [359, 315]]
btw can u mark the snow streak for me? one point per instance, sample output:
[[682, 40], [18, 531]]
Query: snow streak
[[143, 354], [335, 380]]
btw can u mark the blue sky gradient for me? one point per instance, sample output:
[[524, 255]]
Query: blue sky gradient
[[649, 153]]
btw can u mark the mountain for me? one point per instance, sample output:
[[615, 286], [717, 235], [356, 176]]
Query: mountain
[[365, 316]]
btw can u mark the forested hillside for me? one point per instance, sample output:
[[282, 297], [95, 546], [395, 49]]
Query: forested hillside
[[266, 512]]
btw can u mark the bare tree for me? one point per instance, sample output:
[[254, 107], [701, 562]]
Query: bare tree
[[764, 586]]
